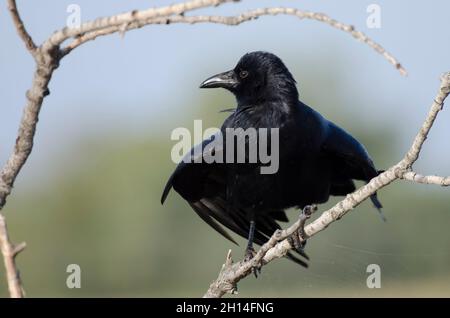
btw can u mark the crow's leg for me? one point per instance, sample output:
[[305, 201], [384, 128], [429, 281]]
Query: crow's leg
[[299, 237], [250, 251]]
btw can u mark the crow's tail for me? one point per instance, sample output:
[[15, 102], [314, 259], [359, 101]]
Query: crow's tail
[[378, 206]]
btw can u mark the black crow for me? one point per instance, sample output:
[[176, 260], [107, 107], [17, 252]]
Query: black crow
[[315, 157]]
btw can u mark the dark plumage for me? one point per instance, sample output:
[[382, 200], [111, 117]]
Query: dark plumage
[[316, 157]]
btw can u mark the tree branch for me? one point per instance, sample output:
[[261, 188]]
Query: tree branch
[[20, 27], [27, 130], [49, 54], [418, 178], [134, 22], [10, 251], [278, 245], [128, 18]]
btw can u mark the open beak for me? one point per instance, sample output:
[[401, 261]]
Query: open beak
[[224, 80]]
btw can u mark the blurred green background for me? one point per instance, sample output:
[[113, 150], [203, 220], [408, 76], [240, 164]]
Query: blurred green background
[[90, 192]]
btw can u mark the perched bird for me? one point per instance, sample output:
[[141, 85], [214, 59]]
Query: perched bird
[[316, 158]]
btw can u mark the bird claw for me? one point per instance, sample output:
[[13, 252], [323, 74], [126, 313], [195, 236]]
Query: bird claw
[[249, 255], [298, 244], [298, 239]]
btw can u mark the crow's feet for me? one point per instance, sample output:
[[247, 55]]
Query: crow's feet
[[249, 254], [299, 237]]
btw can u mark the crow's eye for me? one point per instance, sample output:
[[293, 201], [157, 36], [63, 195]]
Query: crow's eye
[[243, 74]]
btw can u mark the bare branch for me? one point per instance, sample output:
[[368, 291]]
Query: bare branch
[[230, 275], [127, 18], [84, 37], [27, 129], [10, 251], [437, 106], [46, 63], [20, 27], [418, 178]]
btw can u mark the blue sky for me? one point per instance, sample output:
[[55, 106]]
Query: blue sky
[[128, 85]]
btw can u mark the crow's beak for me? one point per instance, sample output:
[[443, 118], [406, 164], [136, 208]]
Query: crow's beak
[[224, 80]]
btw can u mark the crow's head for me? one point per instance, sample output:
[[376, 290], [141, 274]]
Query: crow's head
[[257, 78]]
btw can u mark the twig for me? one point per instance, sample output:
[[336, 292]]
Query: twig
[[231, 274], [10, 251], [233, 21], [418, 178], [129, 18], [24, 35]]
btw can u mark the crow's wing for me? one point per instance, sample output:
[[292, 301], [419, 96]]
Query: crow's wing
[[191, 173], [200, 182], [350, 160], [204, 186]]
